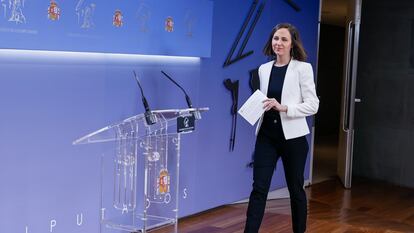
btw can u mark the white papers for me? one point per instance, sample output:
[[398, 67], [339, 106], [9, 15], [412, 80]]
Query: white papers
[[252, 109]]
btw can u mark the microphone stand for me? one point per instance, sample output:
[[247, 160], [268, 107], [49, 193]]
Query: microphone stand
[[150, 118], [196, 113]]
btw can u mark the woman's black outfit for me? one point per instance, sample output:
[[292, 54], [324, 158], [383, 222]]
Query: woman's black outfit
[[270, 146]]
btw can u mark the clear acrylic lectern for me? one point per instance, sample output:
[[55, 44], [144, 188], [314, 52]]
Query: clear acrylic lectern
[[140, 170]]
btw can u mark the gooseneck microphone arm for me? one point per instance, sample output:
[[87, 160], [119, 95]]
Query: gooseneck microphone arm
[[144, 100], [187, 98], [149, 117]]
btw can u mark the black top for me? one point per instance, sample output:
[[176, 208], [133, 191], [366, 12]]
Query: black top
[[271, 121], [277, 77]]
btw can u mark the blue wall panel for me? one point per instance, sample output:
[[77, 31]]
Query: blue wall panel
[[88, 26], [234, 177], [49, 99]]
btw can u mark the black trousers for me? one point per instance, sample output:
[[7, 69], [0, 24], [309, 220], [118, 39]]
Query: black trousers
[[268, 149]]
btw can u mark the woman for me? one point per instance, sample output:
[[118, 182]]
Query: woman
[[288, 83]]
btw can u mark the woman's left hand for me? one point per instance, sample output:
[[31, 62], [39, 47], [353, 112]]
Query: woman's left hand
[[272, 103]]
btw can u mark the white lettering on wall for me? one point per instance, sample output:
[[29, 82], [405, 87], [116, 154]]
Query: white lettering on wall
[[79, 222], [52, 224]]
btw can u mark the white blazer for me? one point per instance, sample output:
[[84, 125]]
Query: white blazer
[[298, 94]]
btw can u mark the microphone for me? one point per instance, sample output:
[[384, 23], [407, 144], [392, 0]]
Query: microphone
[[150, 118], [190, 105], [187, 98]]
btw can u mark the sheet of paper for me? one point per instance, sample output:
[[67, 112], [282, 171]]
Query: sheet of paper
[[252, 109]]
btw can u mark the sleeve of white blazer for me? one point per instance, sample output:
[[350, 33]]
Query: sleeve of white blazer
[[310, 102]]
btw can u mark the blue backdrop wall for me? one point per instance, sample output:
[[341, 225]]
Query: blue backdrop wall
[[180, 27], [48, 99]]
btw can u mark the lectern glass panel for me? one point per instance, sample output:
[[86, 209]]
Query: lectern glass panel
[[140, 171]]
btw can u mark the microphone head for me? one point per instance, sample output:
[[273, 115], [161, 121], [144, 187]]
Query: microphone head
[[145, 103], [187, 98]]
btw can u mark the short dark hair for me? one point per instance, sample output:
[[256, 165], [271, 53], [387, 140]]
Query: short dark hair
[[297, 52]]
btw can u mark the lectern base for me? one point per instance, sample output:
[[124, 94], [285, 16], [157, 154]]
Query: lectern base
[[152, 223]]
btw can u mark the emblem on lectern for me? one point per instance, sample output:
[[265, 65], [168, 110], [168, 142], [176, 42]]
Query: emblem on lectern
[[163, 182], [169, 24], [53, 12], [186, 122], [118, 19]]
